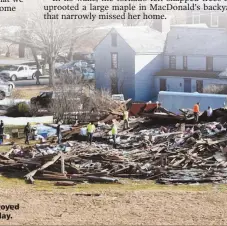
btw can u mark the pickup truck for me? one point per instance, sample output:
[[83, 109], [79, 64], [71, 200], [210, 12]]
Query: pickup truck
[[15, 72]]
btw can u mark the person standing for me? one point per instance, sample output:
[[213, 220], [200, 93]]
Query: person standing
[[27, 131], [125, 118], [114, 134], [196, 112], [90, 131], [209, 111], [2, 131], [58, 132], [37, 75]]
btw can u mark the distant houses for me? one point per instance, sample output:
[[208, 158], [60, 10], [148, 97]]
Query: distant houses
[[140, 61], [193, 59], [127, 59]]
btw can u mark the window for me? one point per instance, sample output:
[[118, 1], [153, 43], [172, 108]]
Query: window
[[114, 39], [199, 86], [172, 62], [214, 20], [185, 63], [196, 18], [162, 84], [187, 85], [209, 63], [114, 60], [21, 69]]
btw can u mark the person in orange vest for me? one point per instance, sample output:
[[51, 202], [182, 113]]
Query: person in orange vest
[[196, 112]]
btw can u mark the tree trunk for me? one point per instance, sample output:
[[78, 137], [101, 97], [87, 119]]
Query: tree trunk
[[71, 51], [21, 50], [44, 64], [51, 71], [34, 53]]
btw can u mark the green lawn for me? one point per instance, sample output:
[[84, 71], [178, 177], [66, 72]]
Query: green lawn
[[126, 185]]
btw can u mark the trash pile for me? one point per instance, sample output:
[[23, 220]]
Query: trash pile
[[180, 153]]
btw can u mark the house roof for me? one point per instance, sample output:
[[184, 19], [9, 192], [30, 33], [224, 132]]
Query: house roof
[[142, 39], [196, 41], [89, 40], [190, 25], [182, 73]]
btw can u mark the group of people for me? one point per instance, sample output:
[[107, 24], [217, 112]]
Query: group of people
[[196, 112], [28, 130], [91, 129]]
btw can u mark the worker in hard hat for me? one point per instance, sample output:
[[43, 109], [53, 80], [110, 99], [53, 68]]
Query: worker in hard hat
[[90, 131], [114, 134], [196, 112], [125, 118]]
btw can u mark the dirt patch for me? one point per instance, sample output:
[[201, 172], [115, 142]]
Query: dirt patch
[[28, 92], [115, 207]]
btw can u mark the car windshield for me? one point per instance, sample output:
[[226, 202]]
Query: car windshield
[[11, 68], [46, 94]]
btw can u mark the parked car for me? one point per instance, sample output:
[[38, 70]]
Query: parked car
[[15, 72], [5, 90], [43, 100], [46, 98], [81, 64], [91, 63], [68, 66], [6, 82], [88, 73]]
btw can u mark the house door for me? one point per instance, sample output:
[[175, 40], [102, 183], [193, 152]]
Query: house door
[[162, 84], [187, 85], [199, 86]]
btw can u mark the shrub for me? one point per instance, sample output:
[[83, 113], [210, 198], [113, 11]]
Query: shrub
[[23, 108], [216, 89], [20, 110]]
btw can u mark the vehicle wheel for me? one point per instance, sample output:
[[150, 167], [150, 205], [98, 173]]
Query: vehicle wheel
[[13, 78], [2, 95], [33, 76]]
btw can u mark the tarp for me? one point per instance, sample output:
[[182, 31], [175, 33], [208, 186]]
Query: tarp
[[41, 129]]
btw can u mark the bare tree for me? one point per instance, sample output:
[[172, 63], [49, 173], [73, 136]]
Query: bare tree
[[79, 98]]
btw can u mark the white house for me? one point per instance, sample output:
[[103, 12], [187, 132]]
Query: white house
[[193, 59], [129, 57]]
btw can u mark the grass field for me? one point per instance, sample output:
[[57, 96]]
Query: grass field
[[29, 92]]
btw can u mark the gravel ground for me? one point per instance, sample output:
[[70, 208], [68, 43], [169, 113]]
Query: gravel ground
[[114, 207]]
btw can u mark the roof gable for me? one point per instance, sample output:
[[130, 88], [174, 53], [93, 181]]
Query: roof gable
[[142, 39]]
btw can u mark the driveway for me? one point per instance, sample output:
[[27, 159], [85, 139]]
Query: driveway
[[43, 81]]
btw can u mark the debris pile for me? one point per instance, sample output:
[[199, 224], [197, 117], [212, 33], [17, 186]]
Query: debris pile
[[181, 153]]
